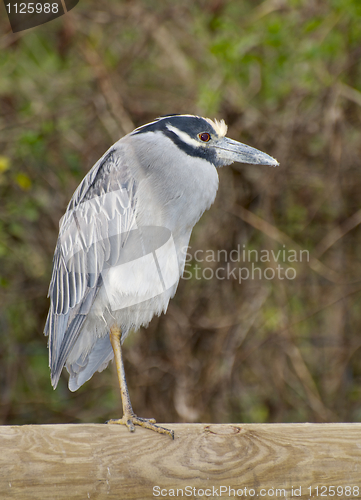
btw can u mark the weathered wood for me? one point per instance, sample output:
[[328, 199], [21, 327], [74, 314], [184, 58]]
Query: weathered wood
[[106, 461]]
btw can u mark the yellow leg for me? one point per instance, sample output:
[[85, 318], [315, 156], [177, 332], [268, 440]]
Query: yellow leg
[[129, 418]]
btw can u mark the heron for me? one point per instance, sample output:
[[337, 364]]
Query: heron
[[120, 250]]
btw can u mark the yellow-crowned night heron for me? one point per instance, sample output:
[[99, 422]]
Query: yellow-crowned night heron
[[120, 251]]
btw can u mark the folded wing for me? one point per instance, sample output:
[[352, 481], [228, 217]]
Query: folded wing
[[92, 234]]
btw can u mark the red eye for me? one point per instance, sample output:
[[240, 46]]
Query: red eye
[[204, 137]]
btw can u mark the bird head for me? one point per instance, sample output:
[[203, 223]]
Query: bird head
[[205, 138]]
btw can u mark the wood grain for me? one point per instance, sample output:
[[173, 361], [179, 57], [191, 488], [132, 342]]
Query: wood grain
[[106, 461]]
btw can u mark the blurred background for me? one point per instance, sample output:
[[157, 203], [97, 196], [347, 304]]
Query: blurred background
[[286, 77]]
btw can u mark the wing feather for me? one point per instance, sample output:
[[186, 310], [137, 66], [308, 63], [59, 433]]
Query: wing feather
[[92, 233]]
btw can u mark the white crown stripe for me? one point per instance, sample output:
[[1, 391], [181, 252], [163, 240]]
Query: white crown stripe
[[219, 126]]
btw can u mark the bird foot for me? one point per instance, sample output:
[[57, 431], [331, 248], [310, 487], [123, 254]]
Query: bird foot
[[149, 423]]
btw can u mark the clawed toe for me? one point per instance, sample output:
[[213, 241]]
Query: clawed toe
[[150, 420], [149, 423]]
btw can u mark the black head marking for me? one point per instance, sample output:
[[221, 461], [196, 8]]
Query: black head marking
[[192, 126]]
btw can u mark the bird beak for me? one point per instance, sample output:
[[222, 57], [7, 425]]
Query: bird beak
[[229, 151]]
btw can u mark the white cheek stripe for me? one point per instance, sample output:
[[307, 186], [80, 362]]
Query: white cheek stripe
[[183, 136]]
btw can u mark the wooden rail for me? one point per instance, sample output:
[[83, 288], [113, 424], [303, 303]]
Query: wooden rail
[[204, 461]]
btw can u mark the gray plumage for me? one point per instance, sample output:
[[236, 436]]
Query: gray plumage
[[122, 241]]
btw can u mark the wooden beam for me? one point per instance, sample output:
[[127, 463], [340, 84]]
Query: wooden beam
[[204, 461]]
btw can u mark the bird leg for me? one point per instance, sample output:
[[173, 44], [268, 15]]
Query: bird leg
[[129, 418]]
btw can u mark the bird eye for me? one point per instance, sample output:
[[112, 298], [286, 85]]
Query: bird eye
[[204, 137]]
